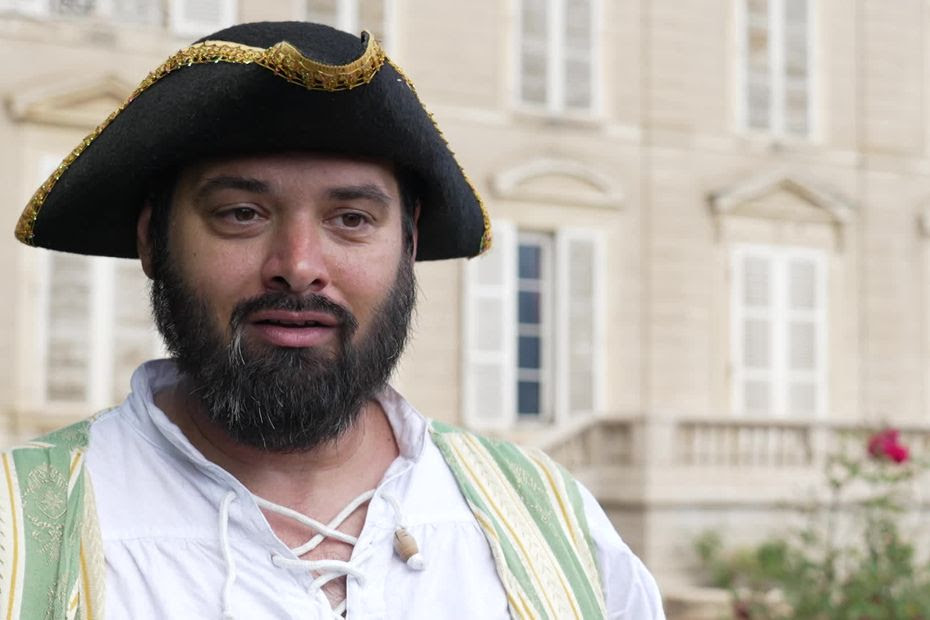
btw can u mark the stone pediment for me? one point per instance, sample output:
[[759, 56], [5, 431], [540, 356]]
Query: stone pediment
[[782, 196], [557, 181], [79, 103]]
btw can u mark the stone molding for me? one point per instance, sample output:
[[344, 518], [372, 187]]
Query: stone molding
[[557, 181], [79, 103]]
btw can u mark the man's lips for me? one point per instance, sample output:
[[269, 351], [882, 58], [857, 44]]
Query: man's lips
[[286, 328]]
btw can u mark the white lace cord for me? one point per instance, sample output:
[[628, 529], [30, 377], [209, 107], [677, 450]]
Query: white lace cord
[[404, 543], [325, 530], [227, 554], [326, 570]]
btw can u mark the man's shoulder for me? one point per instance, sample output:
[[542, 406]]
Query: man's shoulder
[[457, 442], [68, 438]]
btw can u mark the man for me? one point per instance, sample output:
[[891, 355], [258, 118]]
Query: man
[[277, 182]]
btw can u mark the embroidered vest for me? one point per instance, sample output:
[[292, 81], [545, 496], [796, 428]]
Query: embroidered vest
[[51, 555]]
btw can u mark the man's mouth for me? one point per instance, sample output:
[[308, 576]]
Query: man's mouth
[[286, 328], [291, 323]]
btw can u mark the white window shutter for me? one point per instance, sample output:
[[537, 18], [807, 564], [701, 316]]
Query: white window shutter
[[534, 45], [323, 12], [133, 11], [753, 336], [797, 68], [69, 328], [580, 322], [578, 37], [806, 327], [489, 321], [199, 17], [36, 8], [758, 57], [134, 335]]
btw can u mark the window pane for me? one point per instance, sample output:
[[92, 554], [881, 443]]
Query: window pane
[[802, 278], [802, 341], [533, 51], [487, 391], [757, 397], [529, 352], [756, 345], [69, 328], [577, 54], [758, 71], [371, 17], [802, 398], [322, 11], [533, 88], [202, 11], [756, 282], [133, 331], [489, 338], [796, 69], [528, 309], [528, 397], [578, 84], [530, 262], [73, 7], [138, 11]]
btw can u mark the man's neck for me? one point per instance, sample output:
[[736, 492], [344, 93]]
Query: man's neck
[[318, 482]]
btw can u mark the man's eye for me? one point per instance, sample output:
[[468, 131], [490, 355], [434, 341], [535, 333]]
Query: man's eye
[[244, 214], [352, 220]]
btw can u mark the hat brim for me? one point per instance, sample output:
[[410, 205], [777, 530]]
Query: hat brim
[[224, 98]]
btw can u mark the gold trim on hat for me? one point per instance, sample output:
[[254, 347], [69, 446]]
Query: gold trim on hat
[[282, 59]]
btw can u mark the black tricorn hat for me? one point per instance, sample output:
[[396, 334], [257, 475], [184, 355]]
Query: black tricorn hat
[[253, 88]]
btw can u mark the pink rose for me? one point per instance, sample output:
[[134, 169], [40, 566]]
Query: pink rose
[[886, 445]]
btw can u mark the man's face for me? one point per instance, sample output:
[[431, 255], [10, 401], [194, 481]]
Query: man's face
[[284, 291]]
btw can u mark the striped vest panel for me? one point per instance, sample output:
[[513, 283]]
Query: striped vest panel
[[532, 515], [51, 558]]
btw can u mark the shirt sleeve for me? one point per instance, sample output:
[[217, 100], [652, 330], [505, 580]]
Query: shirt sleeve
[[630, 589]]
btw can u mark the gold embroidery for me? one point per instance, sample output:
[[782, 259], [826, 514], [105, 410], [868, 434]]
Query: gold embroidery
[[282, 59], [46, 499]]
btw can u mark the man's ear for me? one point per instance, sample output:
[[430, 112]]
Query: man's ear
[[143, 240], [416, 230]]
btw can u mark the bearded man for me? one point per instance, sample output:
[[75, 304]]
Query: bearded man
[[278, 181]]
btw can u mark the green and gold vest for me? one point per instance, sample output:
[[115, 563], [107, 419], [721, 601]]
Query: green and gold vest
[[51, 555]]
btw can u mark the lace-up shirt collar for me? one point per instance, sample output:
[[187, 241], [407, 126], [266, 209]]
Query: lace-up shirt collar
[[159, 502]]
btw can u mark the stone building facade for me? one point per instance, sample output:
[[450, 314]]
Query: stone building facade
[[712, 232]]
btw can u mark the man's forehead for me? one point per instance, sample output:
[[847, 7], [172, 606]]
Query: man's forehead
[[294, 168]]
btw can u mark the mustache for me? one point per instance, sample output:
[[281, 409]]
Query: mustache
[[285, 301]]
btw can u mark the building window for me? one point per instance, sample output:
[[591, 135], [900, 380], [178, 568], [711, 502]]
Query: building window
[[94, 337], [353, 16], [779, 331], [556, 55], [534, 324], [533, 327], [123, 11], [199, 17], [776, 38], [97, 327]]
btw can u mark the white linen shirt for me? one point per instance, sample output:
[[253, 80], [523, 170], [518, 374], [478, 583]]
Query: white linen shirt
[[158, 501]]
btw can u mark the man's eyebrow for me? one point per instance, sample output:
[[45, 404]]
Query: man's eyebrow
[[366, 191], [232, 182]]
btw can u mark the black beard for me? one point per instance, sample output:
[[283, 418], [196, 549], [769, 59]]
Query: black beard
[[281, 399]]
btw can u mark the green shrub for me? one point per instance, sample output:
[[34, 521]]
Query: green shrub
[[850, 560]]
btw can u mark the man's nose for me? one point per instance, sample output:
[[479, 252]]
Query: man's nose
[[296, 260]]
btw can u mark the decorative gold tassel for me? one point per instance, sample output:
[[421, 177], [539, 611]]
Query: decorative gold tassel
[[406, 547]]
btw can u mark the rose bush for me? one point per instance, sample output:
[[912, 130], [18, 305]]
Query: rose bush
[[850, 560]]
